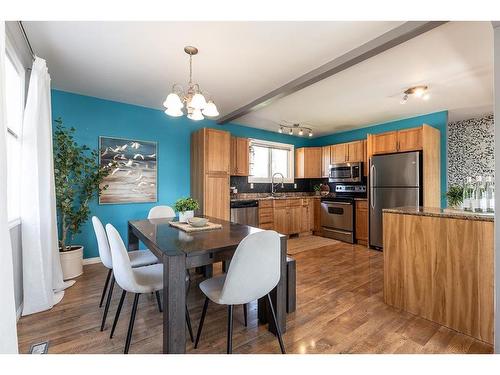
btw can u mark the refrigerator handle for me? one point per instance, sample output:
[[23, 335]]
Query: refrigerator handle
[[372, 179]]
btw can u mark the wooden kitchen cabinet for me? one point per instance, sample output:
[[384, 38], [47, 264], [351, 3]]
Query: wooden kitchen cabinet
[[410, 139], [239, 157], [355, 151], [384, 143], [281, 219], [294, 218], [317, 216], [210, 155], [361, 221], [325, 161], [338, 153], [308, 162]]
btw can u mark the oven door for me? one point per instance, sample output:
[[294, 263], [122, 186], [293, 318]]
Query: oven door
[[337, 215]]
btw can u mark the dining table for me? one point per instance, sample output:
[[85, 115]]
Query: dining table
[[179, 251]]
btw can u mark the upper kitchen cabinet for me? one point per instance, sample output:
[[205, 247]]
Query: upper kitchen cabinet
[[239, 156], [338, 153], [210, 154], [325, 161], [396, 141], [217, 150], [308, 162], [355, 151]]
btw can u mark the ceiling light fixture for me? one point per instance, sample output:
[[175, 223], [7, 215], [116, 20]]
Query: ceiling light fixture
[[192, 100], [291, 128], [417, 91]]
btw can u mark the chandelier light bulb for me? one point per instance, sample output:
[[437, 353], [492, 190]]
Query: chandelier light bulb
[[198, 101], [290, 132], [195, 115], [426, 96], [174, 112], [301, 132], [210, 110], [173, 101], [280, 129], [310, 133], [419, 92]]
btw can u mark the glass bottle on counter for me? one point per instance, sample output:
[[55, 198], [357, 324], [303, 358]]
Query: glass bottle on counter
[[489, 188], [479, 196], [468, 196]]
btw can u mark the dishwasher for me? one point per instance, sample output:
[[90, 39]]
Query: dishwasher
[[245, 212]]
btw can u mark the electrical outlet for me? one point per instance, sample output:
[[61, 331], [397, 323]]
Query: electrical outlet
[[251, 185], [295, 186]]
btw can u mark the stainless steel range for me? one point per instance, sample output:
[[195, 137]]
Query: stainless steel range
[[337, 212]]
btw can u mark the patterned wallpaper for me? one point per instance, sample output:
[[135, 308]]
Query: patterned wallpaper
[[471, 148]]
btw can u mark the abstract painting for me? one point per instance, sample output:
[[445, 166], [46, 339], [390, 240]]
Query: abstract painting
[[133, 178]]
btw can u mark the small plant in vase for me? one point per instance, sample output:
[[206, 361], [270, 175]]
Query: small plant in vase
[[455, 196], [186, 207], [317, 189]]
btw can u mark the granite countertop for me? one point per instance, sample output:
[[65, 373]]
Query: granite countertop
[[440, 212]]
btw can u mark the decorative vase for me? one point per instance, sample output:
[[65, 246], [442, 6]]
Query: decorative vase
[[184, 216], [72, 262]]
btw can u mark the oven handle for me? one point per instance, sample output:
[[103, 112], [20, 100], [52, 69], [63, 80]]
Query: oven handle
[[334, 203]]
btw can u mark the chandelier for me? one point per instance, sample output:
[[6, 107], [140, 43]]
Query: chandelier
[[290, 129], [192, 100], [417, 91]]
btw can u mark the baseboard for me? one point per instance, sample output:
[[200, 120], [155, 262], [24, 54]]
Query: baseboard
[[19, 311], [91, 260]]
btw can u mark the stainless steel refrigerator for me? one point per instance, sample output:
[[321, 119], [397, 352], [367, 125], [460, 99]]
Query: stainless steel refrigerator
[[395, 181]]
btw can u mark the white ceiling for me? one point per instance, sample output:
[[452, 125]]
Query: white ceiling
[[455, 60], [137, 62]]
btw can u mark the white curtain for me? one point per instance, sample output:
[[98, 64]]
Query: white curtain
[[43, 285], [8, 331]]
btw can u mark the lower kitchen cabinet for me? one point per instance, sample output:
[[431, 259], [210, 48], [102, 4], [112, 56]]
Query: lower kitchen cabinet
[[281, 220], [361, 222], [288, 216]]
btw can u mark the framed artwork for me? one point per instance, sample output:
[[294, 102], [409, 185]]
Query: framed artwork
[[134, 178]]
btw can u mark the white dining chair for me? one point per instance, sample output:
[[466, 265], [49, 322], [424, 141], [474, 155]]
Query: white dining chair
[[160, 212], [138, 281], [253, 273], [138, 258]]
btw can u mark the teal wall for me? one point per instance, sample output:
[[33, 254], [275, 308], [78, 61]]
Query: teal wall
[[438, 120], [94, 117]]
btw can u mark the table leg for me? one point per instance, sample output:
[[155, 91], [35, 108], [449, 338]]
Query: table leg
[[278, 295], [174, 304], [133, 240]]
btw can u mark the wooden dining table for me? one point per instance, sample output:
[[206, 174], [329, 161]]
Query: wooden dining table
[[179, 251]]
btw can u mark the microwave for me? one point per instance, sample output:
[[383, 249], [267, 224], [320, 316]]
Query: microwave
[[346, 172]]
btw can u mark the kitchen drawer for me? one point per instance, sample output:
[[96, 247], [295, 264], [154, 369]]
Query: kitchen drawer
[[266, 226], [280, 203], [266, 203], [265, 215], [294, 202], [305, 201], [362, 204]]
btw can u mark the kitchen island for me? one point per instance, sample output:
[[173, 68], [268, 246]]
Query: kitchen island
[[438, 264]]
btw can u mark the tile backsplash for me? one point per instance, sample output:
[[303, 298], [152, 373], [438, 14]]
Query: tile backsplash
[[471, 149], [303, 185]]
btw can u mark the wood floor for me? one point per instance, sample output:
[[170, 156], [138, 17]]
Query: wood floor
[[340, 309]]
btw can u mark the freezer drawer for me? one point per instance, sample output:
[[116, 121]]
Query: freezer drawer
[[381, 198], [338, 234]]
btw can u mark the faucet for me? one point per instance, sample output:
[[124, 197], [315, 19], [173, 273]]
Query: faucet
[[273, 184]]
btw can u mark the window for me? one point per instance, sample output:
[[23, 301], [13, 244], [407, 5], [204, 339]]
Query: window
[[267, 158], [14, 89]]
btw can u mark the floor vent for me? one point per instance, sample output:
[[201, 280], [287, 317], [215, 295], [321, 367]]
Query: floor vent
[[39, 348]]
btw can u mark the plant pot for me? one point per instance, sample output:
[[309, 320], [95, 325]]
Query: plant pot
[[72, 262], [184, 216]]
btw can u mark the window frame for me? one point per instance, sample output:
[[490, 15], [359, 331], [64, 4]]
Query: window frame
[[273, 145], [13, 57]]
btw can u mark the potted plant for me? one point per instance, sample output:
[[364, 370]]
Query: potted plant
[[317, 189], [78, 178], [185, 207], [455, 196]]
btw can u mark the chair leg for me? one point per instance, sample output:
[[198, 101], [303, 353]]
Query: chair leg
[[230, 329], [158, 300], [105, 289], [131, 324], [117, 315], [245, 314], [108, 301], [278, 330], [188, 322], [203, 313]]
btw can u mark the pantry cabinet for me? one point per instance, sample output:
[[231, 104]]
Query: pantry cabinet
[[308, 162], [239, 156]]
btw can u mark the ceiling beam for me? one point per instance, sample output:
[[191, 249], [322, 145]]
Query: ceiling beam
[[390, 39]]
